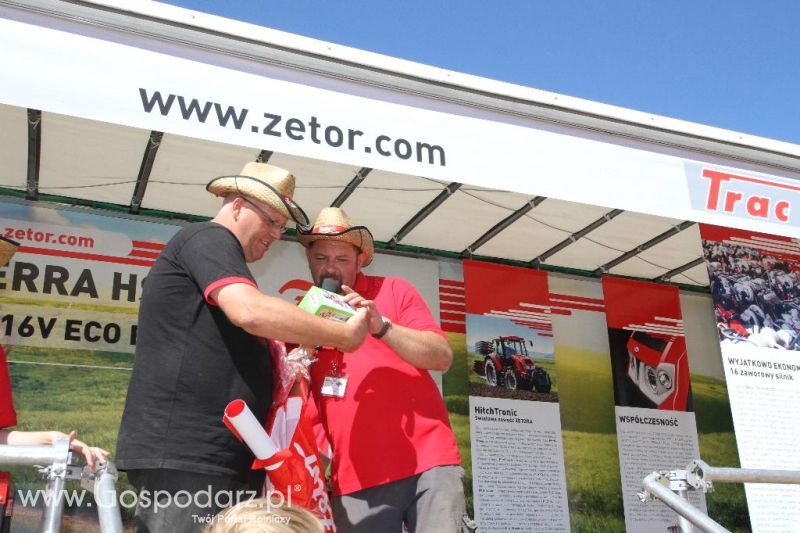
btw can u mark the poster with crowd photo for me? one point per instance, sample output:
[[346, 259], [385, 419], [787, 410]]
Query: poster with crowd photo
[[656, 428], [755, 286], [517, 452]]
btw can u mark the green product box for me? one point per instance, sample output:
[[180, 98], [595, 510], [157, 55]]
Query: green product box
[[326, 304]]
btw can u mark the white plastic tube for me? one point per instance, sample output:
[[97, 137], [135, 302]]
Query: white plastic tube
[[238, 415]]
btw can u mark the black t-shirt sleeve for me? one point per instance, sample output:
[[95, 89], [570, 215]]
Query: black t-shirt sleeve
[[214, 258]]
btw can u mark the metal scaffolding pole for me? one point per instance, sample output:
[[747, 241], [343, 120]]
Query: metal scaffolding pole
[[101, 482], [672, 487]]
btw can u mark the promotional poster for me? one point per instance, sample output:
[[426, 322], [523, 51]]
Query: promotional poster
[[517, 452], [656, 428], [756, 294]]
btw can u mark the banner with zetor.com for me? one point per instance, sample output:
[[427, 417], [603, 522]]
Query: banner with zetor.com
[[76, 279], [184, 90], [69, 300]]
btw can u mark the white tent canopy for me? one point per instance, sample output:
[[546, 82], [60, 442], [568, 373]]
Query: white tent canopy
[[99, 162], [598, 189]]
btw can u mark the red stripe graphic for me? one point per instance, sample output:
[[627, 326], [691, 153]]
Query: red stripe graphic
[[570, 298], [540, 327], [452, 316], [452, 295], [140, 253], [454, 328], [85, 256], [577, 307], [148, 245], [530, 323], [452, 306]]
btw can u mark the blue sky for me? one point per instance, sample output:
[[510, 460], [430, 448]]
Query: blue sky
[[732, 64]]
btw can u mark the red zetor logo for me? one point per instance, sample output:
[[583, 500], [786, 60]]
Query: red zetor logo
[[757, 198]]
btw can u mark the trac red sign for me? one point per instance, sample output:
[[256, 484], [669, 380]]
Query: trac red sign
[[751, 196]]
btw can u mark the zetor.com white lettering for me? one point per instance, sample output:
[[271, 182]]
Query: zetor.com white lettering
[[159, 499]]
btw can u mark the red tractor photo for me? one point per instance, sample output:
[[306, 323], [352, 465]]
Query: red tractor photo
[[507, 364]]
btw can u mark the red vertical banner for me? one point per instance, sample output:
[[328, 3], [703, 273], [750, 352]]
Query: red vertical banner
[[648, 345], [515, 423], [656, 428]]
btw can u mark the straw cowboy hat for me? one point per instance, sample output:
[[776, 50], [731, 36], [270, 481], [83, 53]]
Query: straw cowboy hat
[[268, 184], [333, 224], [7, 249]]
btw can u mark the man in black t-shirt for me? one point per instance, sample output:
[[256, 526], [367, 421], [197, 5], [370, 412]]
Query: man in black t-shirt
[[200, 344]]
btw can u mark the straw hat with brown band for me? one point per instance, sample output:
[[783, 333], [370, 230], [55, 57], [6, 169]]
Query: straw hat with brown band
[[264, 183], [7, 250], [333, 224]]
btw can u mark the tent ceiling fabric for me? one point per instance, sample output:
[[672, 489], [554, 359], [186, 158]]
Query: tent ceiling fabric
[[100, 162], [460, 220], [13, 146], [694, 276], [385, 201], [183, 167], [318, 182], [540, 229], [671, 253]]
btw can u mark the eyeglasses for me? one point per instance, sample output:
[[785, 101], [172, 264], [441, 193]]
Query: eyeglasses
[[270, 222]]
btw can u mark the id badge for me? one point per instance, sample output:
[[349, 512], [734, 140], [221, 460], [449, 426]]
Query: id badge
[[334, 386]]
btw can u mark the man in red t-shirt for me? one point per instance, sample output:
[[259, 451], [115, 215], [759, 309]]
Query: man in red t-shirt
[[395, 458]]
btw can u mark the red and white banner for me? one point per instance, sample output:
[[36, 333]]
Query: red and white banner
[[648, 345], [76, 279], [656, 428], [513, 401]]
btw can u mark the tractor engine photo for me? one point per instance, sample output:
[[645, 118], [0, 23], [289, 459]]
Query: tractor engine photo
[[657, 367]]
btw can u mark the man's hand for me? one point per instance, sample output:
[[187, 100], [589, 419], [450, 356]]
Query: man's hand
[[374, 317], [423, 349], [356, 330]]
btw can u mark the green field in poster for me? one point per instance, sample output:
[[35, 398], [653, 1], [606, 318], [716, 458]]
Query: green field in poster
[[91, 400], [590, 443]]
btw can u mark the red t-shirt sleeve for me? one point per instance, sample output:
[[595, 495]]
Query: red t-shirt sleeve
[[230, 280]]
